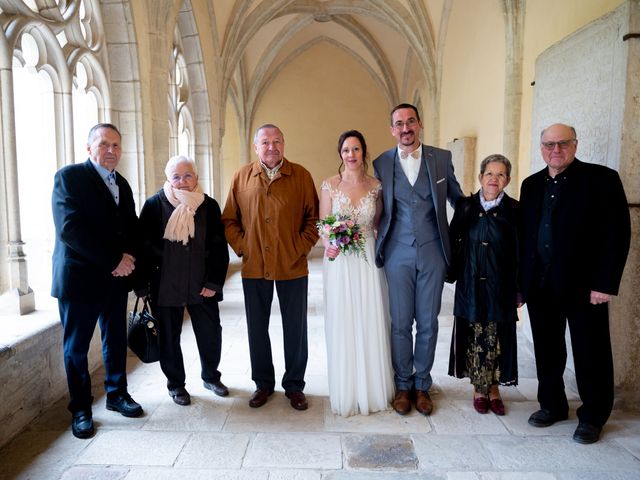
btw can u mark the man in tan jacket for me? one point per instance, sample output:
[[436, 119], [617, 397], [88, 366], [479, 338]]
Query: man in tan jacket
[[270, 221]]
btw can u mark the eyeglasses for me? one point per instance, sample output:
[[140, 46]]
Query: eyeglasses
[[409, 123], [107, 146], [562, 144], [185, 177], [491, 176]]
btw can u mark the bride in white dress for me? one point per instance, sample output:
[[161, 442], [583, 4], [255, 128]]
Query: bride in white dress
[[355, 292]]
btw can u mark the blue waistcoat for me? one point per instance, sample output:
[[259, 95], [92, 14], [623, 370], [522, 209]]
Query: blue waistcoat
[[414, 216]]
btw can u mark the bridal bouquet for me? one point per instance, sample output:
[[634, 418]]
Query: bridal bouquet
[[344, 233]]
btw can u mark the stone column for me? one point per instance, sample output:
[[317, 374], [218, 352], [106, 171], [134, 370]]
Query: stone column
[[625, 310], [514, 11], [19, 298], [463, 152]]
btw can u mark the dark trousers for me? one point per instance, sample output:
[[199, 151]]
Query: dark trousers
[[591, 345], [78, 324], [205, 319], [292, 294]]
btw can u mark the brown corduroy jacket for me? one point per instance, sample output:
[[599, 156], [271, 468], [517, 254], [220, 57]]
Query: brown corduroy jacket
[[272, 224]]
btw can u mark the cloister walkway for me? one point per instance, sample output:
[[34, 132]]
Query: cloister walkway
[[224, 438]]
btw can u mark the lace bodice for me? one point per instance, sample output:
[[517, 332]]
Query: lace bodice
[[363, 212]]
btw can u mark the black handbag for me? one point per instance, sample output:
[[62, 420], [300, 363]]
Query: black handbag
[[143, 336]]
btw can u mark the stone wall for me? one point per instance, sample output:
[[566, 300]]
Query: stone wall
[[32, 376], [591, 80]]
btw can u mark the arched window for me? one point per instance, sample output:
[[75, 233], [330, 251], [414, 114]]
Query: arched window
[[36, 153], [180, 117], [85, 110], [59, 92]]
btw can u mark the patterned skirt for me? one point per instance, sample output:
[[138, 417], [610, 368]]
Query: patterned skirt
[[485, 352]]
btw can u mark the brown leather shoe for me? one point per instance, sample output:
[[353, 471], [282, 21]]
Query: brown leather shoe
[[297, 400], [402, 403], [259, 398], [424, 405]]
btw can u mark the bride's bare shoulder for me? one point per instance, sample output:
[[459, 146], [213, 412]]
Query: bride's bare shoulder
[[332, 182], [373, 182]]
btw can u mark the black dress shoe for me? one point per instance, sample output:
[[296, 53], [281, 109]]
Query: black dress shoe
[[586, 433], [297, 400], [545, 418], [82, 425], [259, 398], [180, 396], [218, 388], [125, 405]]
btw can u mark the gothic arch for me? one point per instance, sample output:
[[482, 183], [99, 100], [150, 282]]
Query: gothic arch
[[209, 167]]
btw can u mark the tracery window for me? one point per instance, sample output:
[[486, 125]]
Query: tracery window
[[180, 116], [60, 91]]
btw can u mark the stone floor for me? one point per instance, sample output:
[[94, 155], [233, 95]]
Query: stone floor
[[224, 438]]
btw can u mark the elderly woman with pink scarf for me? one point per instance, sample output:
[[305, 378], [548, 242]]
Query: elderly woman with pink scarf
[[184, 265]]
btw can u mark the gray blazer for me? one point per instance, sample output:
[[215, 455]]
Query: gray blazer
[[444, 186]]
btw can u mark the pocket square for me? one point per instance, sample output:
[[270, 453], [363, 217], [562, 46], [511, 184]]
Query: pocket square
[[441, 180]]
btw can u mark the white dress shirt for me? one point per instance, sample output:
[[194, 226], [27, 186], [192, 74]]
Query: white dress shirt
[[411, 163]]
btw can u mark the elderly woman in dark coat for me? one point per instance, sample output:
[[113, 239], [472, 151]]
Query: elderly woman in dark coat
[[484, 242], [184, 264]]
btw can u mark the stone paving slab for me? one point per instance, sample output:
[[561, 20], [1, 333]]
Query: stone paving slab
[[347, 475], [517, 416], [450, 452], [516, 476], [387, 421], [557, 454], [40, 454], [205, 413], [139, 473], [213, 451], [133, 448], [379, 452], [601, 475], [458, 417], [294, 450], [95, 473], [462, 476], [275, 416], [295, 475]]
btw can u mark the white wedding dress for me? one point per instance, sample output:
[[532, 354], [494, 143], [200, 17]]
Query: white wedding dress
[[357, 324]]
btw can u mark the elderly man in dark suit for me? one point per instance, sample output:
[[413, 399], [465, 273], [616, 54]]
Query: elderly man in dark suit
[[575, 236], [94, 255], [413, 245]]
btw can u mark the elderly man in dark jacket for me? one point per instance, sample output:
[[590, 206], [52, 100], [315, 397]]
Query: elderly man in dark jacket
[[184, 264], [575, 233]]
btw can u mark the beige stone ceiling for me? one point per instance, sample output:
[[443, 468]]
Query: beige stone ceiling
[[396, 41]]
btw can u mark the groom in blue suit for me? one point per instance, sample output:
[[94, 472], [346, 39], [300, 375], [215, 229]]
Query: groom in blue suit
[[413, 247]]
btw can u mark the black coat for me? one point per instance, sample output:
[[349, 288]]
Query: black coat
[[591, 232], [92, 233], [485, 250], [176, 273]]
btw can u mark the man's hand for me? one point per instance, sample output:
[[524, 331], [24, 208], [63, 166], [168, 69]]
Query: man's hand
[[207, 292], [125, 267], [597, 297]]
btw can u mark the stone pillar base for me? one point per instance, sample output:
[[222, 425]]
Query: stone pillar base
[[18, 303]]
